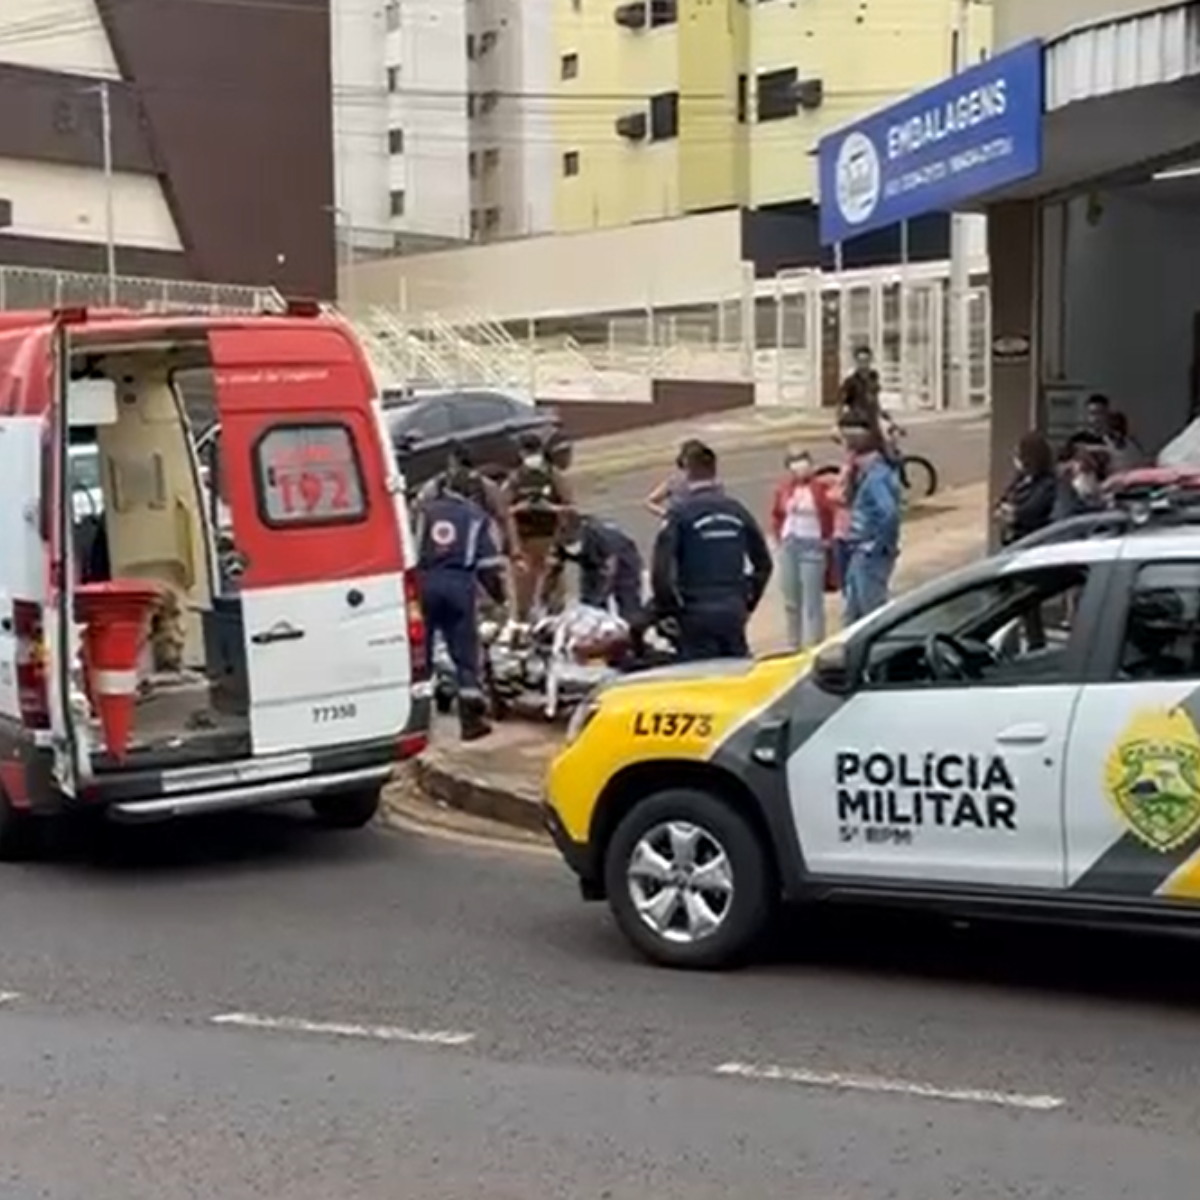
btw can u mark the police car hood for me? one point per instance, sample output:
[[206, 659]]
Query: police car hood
[[692, 672], [720, 668]]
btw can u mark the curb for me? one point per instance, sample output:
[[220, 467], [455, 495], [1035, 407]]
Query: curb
[[475, 796], [654, 454]]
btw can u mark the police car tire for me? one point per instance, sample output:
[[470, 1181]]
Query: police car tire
[[754, 894], [347, 810]]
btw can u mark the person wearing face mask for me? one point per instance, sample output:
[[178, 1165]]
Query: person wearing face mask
[[802, 521], [538, 496], [1027, 504], [609, 562], [1081, 487]]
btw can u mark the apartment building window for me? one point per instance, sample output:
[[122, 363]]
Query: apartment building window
[[743, 100], [491, 158], [663, 12], [395, 141], [569, 66], [391, 15], [393, 79], [570, 163], [476, 222], [491, 219], [777, 95], [397, 203], [664, 116], [470, 45], [473, 165], [472, 104]]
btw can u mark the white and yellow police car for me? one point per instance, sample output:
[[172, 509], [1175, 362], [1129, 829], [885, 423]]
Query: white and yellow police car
[[1020, 737]]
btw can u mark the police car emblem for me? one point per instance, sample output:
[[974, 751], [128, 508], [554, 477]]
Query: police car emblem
[[1152, 776], [443, 534], [859, 178]]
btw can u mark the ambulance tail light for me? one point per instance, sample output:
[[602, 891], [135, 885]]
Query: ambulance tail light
[[32, 690], [417, 645]]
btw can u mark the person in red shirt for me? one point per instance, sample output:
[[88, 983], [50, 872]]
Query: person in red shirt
[[802, 523]]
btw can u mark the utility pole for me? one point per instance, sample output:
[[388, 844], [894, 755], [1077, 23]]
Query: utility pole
[[110, 217], [960, 269]]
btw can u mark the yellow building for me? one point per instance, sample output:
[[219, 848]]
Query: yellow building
[[665, 107]]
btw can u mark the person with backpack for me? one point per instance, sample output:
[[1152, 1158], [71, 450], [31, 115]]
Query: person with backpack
[[538, 495]]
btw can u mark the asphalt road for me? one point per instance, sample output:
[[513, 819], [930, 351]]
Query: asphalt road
[[958, 449], [165, 1033]]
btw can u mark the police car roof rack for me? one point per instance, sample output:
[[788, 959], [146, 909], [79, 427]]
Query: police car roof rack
[[1140, 505]]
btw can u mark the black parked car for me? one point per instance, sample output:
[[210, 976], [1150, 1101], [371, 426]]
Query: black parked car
[[490, 424]]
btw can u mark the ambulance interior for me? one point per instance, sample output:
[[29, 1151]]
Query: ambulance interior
[[139, 509]]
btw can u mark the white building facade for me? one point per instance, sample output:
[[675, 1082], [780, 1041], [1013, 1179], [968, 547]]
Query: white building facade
[[442, 121], [400, 121]]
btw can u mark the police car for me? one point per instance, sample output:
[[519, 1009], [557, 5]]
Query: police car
[[1019, 737]]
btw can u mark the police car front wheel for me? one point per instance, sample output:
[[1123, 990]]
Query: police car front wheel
[[688, 880]]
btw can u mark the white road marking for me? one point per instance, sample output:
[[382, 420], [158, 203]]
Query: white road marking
[[9, 997], [836, 1081], [377, 1033]]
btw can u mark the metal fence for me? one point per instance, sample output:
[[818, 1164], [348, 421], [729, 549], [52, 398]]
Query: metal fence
[[34, 288], [793, 336]]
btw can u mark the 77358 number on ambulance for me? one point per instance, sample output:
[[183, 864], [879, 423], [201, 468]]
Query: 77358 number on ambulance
[[1020, 738]]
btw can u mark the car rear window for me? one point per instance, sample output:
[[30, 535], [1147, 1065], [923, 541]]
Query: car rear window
[[309, 475]]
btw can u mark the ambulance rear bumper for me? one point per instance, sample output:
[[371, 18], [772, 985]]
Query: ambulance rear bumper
[[254, 795]]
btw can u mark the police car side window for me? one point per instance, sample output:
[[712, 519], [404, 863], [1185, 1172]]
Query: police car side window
[[1162, 635], [1010, 629]]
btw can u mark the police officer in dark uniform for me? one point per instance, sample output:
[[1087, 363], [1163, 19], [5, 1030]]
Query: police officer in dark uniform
[[609, 562], [457, 554], [699, 572]]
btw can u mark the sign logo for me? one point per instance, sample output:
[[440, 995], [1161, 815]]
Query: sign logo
[[859, 178], [1152, 776], [443, 534]]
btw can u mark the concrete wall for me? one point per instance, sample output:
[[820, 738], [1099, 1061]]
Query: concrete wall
[[1014, 238], [689, 260], [1018, 20]]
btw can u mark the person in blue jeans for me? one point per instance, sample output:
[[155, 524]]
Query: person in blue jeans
[[873, 541]]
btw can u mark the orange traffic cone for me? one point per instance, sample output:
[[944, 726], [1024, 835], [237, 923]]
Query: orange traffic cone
[[116, 617]]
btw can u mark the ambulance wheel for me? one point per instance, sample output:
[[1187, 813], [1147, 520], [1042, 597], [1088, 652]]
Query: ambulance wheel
[[689, 880], [18, 834], [347, 810]]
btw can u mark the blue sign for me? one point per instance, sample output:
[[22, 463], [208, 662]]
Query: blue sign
[[968, 135]]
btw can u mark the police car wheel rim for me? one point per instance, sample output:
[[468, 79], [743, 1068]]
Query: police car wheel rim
[[681, 882]]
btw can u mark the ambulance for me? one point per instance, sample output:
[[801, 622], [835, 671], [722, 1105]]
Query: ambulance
[[153, 666]]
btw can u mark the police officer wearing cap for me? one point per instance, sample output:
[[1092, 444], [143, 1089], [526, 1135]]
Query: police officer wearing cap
[[457, 554], [711, 565]]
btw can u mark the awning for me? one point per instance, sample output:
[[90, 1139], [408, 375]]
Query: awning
[[1117, 56]]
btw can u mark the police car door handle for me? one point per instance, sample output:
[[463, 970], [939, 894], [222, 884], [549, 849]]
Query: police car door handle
[[1023, 735], [281, 633]]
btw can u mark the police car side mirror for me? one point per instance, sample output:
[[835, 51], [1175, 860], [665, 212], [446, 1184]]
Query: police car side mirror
[[832, 669]]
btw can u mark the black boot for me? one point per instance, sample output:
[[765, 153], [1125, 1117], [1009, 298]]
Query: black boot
[[472, 717]]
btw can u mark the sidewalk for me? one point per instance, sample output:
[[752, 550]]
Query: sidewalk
[[741, 429], [500, 777]]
